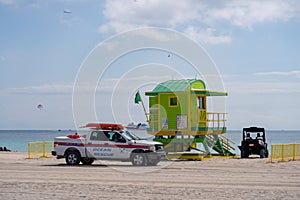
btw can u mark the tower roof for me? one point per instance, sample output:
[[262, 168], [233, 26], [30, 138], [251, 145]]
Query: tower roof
[[176, 85], [195, 85]]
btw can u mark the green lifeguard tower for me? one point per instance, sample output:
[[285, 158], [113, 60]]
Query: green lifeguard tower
[[180, 120]]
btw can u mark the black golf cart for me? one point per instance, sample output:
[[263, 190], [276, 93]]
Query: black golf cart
[[254, 142]]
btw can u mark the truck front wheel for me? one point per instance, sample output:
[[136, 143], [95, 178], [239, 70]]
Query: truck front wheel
[[139, 159], [72, 158]]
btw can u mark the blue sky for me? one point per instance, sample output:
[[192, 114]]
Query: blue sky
[[255, 45]]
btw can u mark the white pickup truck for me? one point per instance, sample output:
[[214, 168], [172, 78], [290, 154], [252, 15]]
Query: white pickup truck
[[107, 142]]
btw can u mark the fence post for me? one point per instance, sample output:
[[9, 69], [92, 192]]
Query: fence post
[[294, 151], [28, 150], [272, 150], [44, 150], [282, 150]]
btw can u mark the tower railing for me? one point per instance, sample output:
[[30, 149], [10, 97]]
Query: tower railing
[[216, 120]]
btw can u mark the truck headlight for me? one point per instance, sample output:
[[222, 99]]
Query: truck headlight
[[152, 148]]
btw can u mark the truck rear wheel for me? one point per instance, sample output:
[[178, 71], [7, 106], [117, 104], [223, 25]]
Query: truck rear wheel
[[87, 161], [72, 158], [139, 159]]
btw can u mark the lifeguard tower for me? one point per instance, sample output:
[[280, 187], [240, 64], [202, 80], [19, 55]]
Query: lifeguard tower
[[180, 120]]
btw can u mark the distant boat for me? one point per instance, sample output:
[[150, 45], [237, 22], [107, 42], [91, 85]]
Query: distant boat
[[138, 126]]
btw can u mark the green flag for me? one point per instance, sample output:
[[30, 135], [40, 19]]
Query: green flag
[[137, 98]]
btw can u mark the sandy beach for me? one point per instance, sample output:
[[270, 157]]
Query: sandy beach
[[217, 178]]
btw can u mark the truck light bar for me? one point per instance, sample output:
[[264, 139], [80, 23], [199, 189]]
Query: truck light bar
[[104, 126]]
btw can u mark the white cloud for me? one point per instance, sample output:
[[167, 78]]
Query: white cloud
[[199, 19], [157, 35], [21, 3], [43, 89], [118, 27], [207, 36], [271, 104], [105, 85], [7, 2], [69, 21], [35, 5], [271, 88], [149, 12], [245, 14], [294, 73]]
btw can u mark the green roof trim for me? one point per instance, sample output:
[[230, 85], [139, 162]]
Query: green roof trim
[[194, 85], [210, 93], [177, 86]]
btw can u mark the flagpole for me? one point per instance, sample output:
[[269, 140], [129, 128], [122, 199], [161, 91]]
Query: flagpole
[[140, 98], [144, 110]]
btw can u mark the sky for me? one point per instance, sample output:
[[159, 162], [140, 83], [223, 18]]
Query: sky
[[254, 44]]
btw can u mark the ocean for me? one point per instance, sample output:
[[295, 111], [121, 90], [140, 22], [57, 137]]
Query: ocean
[[17, 140]]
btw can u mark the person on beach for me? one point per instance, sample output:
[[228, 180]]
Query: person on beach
[[4, 149]]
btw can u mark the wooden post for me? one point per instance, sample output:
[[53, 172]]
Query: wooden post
[[282, 151], [144, 110], [294, 151], [44, 150], [28, 150]]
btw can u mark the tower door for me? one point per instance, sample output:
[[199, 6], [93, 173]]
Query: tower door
[[201, 106]]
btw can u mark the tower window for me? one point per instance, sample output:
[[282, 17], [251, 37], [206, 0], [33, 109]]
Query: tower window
[[173, 101], [201, 102]]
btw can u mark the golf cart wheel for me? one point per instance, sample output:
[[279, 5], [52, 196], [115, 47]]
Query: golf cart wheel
[[262, 153], [267, 154], [244, 154]]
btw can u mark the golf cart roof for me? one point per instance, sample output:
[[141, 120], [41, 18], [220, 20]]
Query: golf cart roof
[[253, 129]]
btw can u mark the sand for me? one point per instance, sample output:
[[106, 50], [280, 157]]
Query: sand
[[218, 178]]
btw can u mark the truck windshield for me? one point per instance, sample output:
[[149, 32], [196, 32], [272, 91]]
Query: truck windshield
[[129, 136]]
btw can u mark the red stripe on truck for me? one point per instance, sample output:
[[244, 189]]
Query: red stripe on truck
[[117, 146], [68, 144], [101, 145]]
